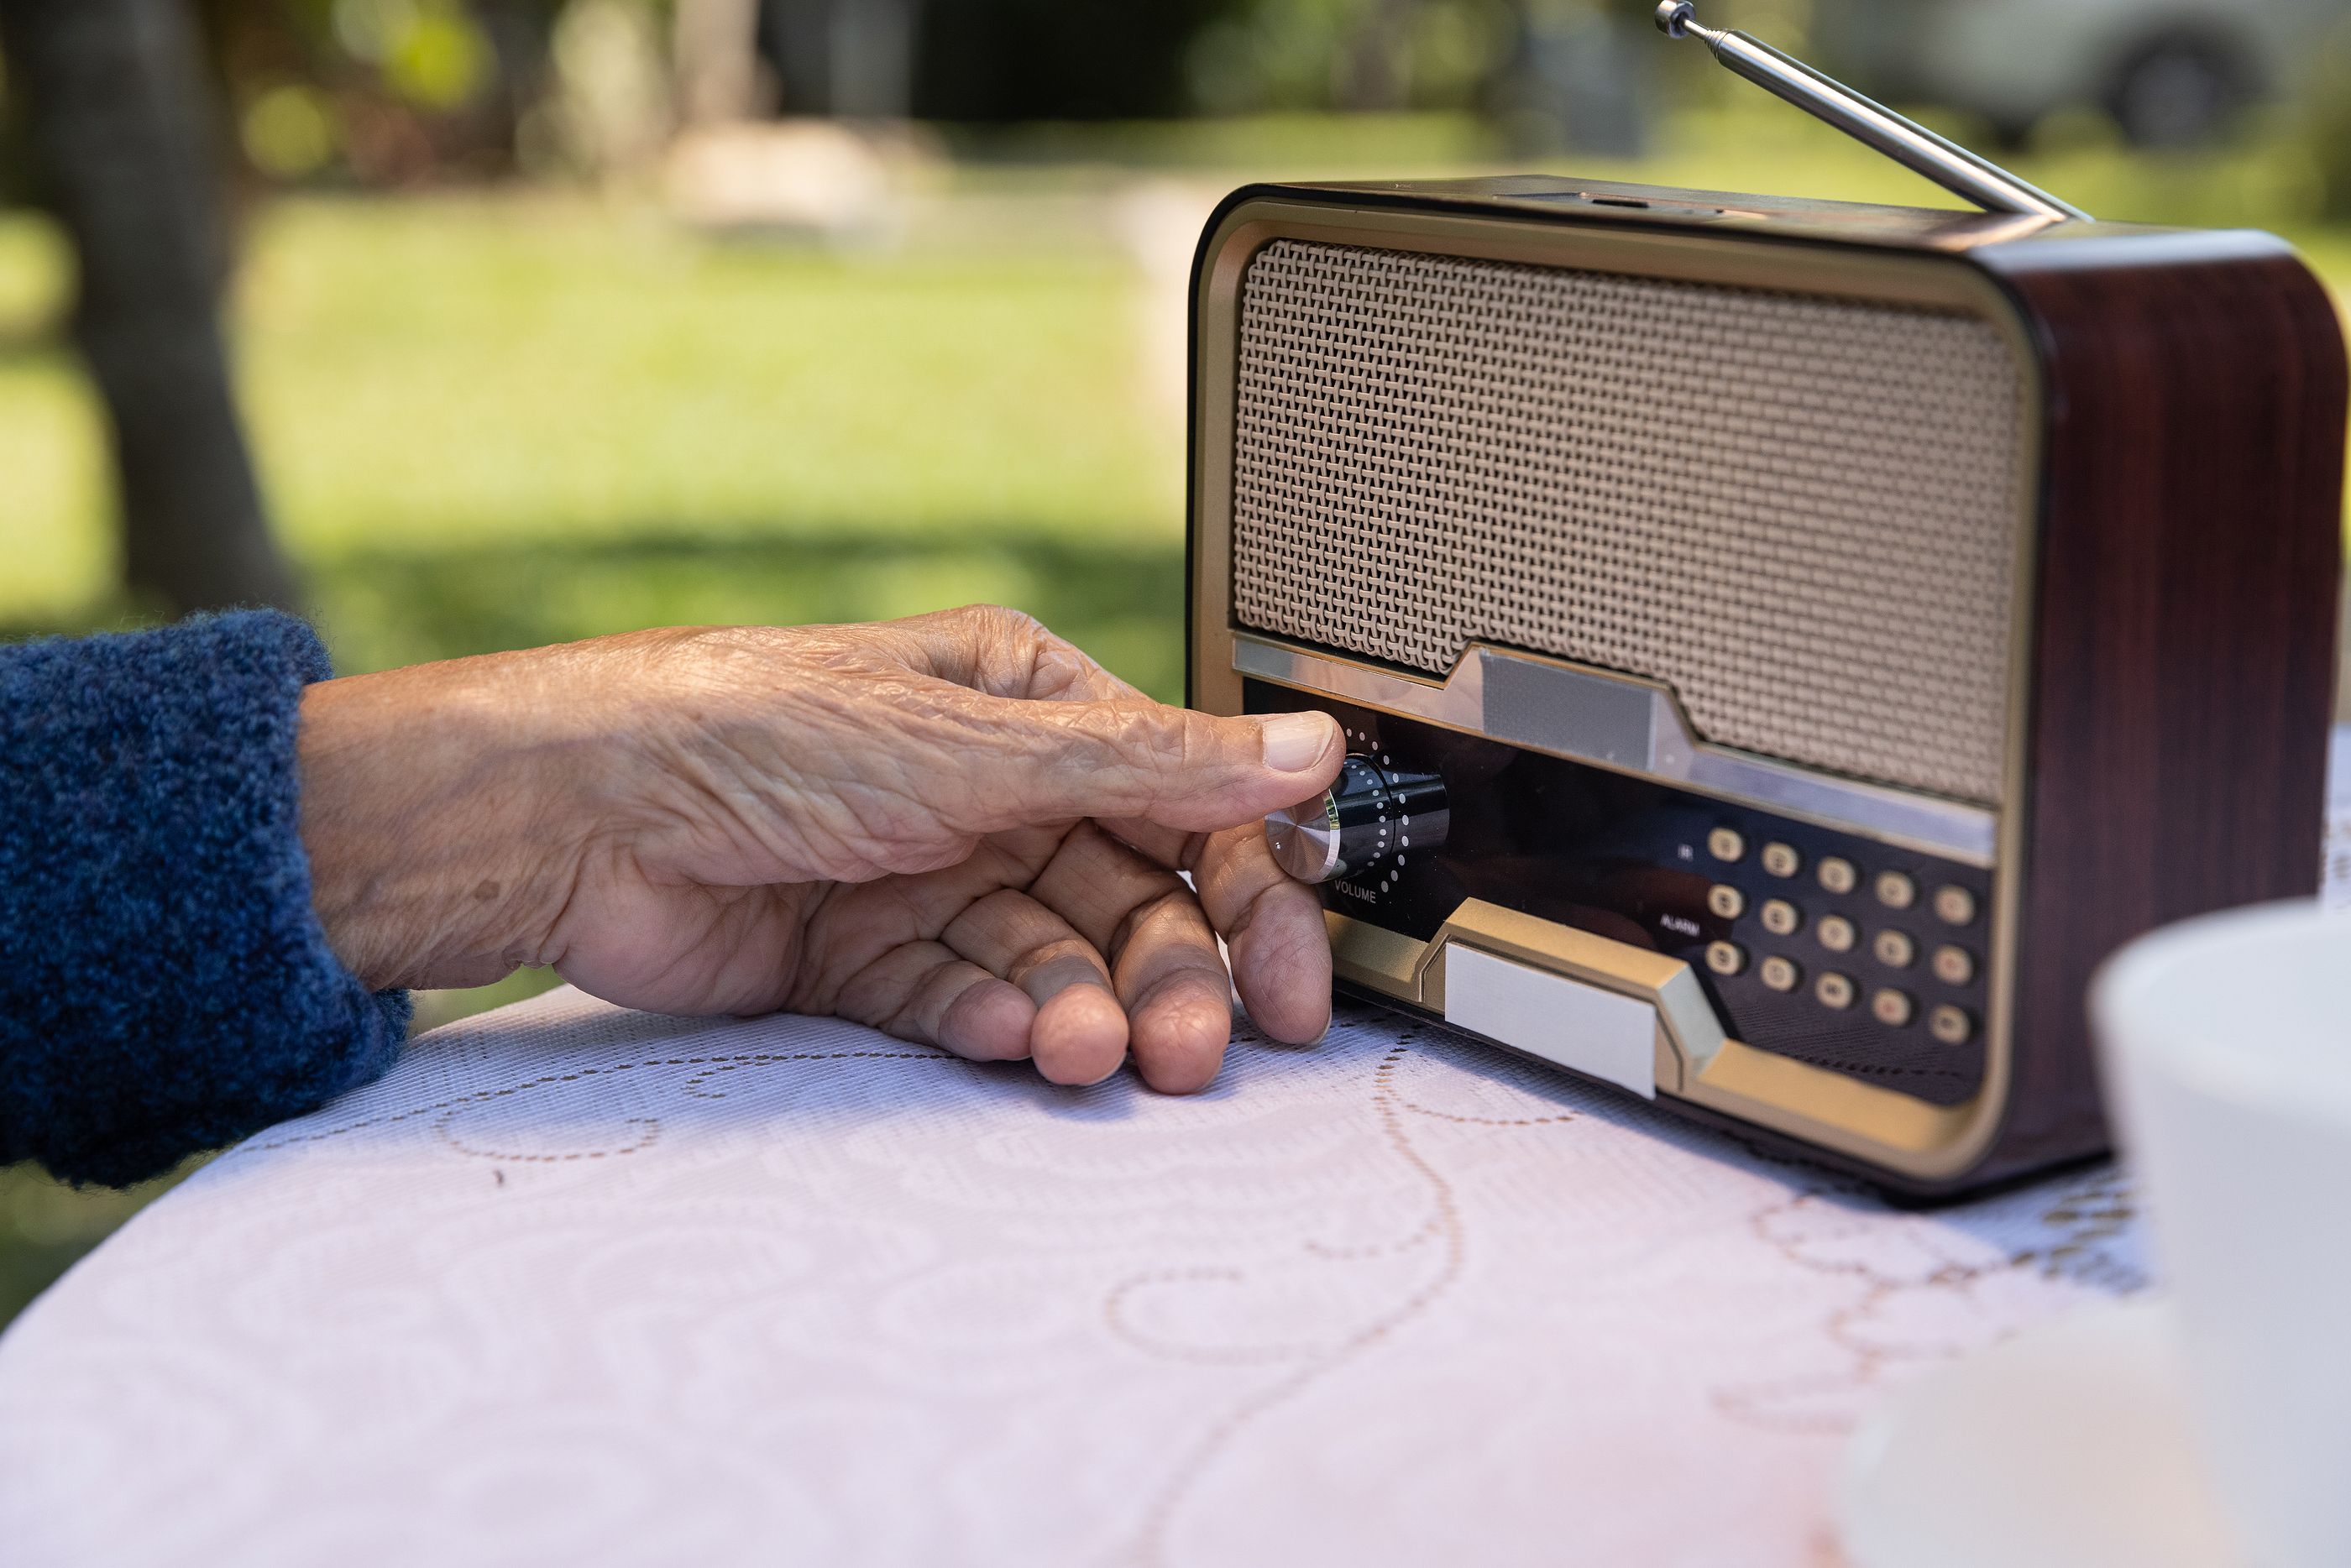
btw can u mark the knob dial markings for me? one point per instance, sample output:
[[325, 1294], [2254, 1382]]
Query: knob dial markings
[[1361, 825]]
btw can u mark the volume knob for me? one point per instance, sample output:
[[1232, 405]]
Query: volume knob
[[1369, 815]]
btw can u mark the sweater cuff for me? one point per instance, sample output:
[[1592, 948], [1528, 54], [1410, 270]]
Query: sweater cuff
[[164, 985]]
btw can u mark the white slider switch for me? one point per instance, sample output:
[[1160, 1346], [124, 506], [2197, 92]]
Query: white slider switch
[[1594, 1032]]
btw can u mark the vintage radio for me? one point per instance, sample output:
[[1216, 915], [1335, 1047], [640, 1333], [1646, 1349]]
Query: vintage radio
[[1785, 645]]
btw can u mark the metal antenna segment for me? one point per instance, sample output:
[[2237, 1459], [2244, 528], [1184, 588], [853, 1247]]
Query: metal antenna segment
[[1910, 144]]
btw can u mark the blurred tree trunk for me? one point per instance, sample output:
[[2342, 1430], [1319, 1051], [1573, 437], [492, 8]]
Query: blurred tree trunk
[[715, 48], [872, 59], [1373, 68], [121, 123], [1578, 79], [856, 59]]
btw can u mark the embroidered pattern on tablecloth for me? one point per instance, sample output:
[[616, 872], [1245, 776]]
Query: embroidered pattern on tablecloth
[[582, 1285]]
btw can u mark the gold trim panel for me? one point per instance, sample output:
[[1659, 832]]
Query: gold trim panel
[[1696, 1061]]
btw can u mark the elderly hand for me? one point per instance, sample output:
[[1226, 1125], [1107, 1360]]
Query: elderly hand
[[958, 828]]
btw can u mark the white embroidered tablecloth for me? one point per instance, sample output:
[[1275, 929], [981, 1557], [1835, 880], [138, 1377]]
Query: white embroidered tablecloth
[[575, 1285]]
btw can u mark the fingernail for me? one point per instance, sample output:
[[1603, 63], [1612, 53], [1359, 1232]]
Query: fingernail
[[1293, 740]]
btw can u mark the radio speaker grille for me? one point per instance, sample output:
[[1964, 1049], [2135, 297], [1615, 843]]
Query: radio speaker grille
[[1801, 513]]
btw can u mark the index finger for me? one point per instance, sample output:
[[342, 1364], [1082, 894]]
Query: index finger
[[1273, 926]]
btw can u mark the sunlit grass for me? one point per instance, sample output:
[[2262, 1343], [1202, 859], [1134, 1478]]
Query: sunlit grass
[[46, 1225], [53, 552], [420, 375], [552, 377]]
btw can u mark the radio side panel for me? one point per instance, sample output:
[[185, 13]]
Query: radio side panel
[[2190, 557]]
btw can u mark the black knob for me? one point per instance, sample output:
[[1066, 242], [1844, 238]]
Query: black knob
[[1369, 815]]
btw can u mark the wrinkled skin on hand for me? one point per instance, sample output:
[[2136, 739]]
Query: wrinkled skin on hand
[[958, 828]]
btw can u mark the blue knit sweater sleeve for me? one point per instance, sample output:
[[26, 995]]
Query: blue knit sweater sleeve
[[164, 986]]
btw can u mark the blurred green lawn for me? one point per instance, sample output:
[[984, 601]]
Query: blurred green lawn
[[494, 421], [486, 423]]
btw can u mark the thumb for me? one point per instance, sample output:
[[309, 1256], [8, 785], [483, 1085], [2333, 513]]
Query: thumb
[[1136, 758]]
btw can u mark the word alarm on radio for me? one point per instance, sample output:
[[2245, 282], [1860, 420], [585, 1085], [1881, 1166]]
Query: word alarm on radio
[[1784, 646]]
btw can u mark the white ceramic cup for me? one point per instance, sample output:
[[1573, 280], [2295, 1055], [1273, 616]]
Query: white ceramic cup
[[2226, 1047]]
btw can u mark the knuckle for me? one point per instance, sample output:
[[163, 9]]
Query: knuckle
[[1147, 741], [992, 622], [1172, 916], [1014, 623], [1205, 742]]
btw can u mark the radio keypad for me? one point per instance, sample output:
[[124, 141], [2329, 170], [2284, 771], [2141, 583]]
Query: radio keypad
[[1887, 1005], [1872, 995], [1887, 1009]]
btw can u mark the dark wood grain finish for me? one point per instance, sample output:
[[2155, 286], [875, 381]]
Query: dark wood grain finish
[[2184, 663]]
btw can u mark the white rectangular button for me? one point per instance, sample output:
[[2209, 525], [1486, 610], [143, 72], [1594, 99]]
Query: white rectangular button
[[1596, 1032]]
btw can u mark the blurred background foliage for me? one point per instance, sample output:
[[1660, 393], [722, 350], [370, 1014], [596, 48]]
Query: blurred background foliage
[[555, 317]]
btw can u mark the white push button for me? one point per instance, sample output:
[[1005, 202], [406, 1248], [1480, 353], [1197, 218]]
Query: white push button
[[1596, 1032]]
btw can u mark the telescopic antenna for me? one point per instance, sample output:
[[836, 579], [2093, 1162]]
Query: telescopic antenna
[[1908, 143]]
